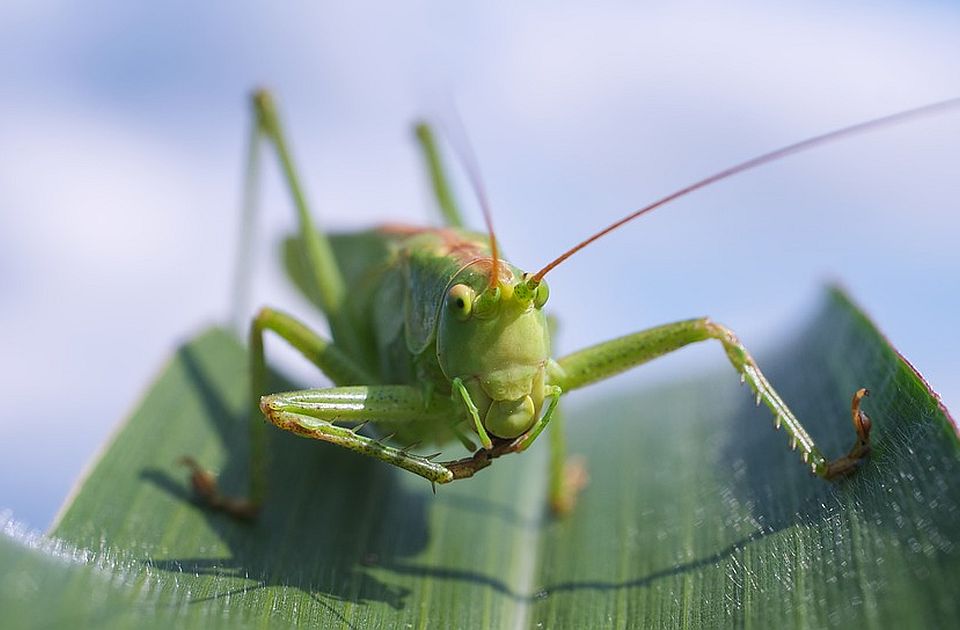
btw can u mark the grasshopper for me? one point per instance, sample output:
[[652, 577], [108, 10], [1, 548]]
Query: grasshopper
[[436, 338]]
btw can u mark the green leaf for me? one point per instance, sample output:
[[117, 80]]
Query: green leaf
[[45, 583], [697, 514]]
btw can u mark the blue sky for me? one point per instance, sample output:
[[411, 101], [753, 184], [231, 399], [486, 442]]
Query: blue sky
[[123, 129]]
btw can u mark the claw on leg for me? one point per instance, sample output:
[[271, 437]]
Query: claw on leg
[[205, 486], [861, 423]]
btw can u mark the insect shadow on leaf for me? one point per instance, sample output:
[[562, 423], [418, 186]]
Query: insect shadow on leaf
[[334, 554]]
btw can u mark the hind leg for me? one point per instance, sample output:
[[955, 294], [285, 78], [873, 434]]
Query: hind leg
[[438, 178]]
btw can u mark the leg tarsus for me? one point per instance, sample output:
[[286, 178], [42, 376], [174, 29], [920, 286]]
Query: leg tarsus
[[469, 466], [567, 475], [574, 478], [861, 421], [845, 465], [205, 486]]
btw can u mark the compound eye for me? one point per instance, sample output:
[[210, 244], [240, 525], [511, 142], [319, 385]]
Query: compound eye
[[541, 295], [460, 301]]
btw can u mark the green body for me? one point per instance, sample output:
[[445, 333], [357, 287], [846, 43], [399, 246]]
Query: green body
[[430, 343], [398, 278]]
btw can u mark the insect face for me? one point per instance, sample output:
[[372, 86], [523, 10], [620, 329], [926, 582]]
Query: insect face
[[496, 340]]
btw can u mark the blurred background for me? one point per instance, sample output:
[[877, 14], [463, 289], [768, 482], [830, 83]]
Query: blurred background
[[123, 129]]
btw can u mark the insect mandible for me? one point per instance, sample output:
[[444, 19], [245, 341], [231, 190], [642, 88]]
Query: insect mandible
[[435, 338]]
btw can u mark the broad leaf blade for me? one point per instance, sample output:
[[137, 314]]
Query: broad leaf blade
[[341, 537], [697, 513], [711, 520], [45, 583]]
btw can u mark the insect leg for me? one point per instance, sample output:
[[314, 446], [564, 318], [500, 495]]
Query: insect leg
[[325, 355], [319, 257], [438, 178], [316, 414], [567, 475], [459, 388], [244, 263], [612, 357]]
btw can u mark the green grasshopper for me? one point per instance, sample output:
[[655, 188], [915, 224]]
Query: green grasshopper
[[436, 338]]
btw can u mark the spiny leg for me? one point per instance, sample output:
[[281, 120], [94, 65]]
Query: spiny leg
[[438, 178], [615, 356], [325, 355], [313, 413], [316, 414]]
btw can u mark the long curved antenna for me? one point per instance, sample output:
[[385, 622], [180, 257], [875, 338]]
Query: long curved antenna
[[766, 158], [462, 147]]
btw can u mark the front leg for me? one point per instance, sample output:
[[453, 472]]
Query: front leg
[[612, 357], [321, 413], [325, 355]]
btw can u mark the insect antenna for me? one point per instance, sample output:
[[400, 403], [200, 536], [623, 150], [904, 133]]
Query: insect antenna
[[461, 145], [766, 158]]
